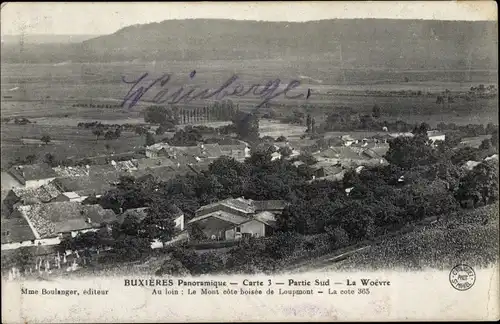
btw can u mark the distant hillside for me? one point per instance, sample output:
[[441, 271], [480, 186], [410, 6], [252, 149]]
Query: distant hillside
[[45, 39], [353, 43]]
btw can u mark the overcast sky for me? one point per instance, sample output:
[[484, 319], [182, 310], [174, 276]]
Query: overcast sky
[[106, 18]]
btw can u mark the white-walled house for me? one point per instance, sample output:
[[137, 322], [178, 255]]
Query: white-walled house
[[50, 223], [435, 136], [232, 219], [158, 149], [260, 225]]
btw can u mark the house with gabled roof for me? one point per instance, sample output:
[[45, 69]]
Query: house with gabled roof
[[348, 140], [71, 171], [86, 186], [47, 224], [154, 162], [16, 233], [349, 156], [435, 135], [29, 196], [157, 150], [127, 166], [236, 151], [63, 219], [33, 176], [209, 151], [234, 218]]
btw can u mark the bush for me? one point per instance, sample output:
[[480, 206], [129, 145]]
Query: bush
[[338, 235], [172, 267], [204, 263], [267, 254]]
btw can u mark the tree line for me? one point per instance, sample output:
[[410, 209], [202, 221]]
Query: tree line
[[169, 116]]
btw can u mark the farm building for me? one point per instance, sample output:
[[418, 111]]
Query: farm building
[[153, 163], [157, 150], [76, 171], [210, 151], [32, 176], [29, 196], [325, 169], [165, 173], [86, 186], [236, 151], [9, 182], [435, 135], [348, 140], [16, 233], [232, 219], [406, 134], [99, 169], [124, 166], [62, 219], [382, 138], [47, 224], [349, 156]]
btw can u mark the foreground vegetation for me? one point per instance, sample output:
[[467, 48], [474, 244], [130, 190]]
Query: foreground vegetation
[[469, 237]]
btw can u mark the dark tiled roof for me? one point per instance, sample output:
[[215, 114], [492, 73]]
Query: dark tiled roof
[[97, 184], [267, 205], [246, 206], [16, 230], [154, 162], [211, 151], [52, 218], [240, 204], [71, 171], [222, 215], [266, 218], [341, 153], [42, 194], [33, 172]]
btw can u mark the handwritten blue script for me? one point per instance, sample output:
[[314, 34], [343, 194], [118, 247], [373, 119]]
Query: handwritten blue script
[[230, 88]]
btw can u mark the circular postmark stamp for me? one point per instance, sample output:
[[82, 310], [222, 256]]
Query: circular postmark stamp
[[462, 277]]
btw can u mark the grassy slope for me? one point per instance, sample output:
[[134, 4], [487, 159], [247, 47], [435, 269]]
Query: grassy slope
[[462, 238]]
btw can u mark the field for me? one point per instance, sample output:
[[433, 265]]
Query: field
[[275, 129], [46, 94], [69, 142], [50, 90]]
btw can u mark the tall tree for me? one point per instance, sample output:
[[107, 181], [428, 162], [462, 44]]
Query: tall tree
[[45, 138], [97, 132], [408, 152], [247, 126], [150, 139], [376, 111]]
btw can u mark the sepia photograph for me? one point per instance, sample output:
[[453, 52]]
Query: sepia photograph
[[249, 161]]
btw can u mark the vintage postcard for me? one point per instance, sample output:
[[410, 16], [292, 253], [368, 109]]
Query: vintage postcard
[[249, 161]]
